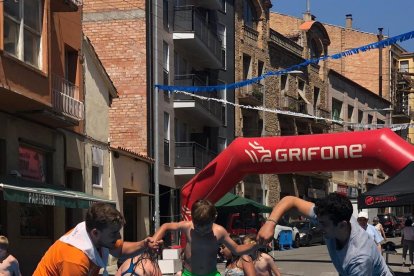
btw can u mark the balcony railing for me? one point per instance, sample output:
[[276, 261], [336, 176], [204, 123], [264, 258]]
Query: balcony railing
[[289, 103], [213, 107], [192, 155], [189, 19], [285, 42], [254, 92], [322, 113], [250, 33], [65, 96]]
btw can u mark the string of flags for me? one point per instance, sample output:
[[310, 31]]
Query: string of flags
[[380, 44], [393, 127]]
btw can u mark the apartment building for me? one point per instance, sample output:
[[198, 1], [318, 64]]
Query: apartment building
[[46, 147], [186, 43], [260, 49]]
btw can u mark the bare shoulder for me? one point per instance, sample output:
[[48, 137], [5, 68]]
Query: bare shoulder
[[219, 230], [266, 257], [12, 259]]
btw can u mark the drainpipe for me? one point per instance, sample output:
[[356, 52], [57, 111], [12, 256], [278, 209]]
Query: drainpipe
[[156, 123], [380, 37]]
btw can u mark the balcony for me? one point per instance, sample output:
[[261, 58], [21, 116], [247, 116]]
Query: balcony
[[285, 43], [206, 112], [65, 5], [320, 112], [191, 157], [64, 96], [252, 94], [250, 35], [195, 39], [207, 4]]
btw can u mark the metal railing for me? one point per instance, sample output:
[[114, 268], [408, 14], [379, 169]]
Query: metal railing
[[215, 108], [192, 155], [65, 95], [255, 90], [189, 19], [289, 103], [285, 42], [322, 113]]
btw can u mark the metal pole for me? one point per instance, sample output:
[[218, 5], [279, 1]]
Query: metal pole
[[156, 123]]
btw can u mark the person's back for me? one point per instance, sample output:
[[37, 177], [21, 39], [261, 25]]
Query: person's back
[[264, 264], [142, 265]]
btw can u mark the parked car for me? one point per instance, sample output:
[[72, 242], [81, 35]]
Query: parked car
[[392, 226], [238, 225], [283, 225], [309, 233]]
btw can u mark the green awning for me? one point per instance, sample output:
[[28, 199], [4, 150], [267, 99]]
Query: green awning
[[25, 191], [234, 203]]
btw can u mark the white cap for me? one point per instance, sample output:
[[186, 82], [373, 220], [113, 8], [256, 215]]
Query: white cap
[[363, 215]]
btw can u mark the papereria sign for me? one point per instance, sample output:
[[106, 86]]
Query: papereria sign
[[372, 149], [42, 199]]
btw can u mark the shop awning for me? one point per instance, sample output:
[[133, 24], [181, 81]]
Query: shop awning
[[24, 191]]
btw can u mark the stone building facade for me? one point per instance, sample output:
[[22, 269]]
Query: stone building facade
[[260, 49]]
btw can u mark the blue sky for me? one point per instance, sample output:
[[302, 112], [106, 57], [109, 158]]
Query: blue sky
[[395, 16]]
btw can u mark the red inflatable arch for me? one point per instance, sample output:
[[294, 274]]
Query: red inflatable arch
[[371, 149]]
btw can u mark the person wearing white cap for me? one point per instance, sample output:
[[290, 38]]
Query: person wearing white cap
[[370, 229]]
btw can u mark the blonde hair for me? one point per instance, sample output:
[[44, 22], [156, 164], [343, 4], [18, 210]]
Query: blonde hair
[[4, 241]]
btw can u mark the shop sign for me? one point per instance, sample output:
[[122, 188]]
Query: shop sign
[[32, 164]]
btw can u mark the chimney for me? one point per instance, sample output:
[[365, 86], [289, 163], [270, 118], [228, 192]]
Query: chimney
[[348, 21]]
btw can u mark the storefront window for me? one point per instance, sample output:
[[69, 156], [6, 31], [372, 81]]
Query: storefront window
[[35, 220]]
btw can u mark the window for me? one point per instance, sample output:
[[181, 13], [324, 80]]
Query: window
[[223, 96], [350, 112], [370, 118], [260, 70], [71, 64], [360, 116], [223, 6], [166, 139], [165, 15], [283, 82], [404, 66], [221, 31], [166, 68], [249, 14], [97, 167], [35, 220], [336, 109], [316, 100], [246, 66], [23, 29]]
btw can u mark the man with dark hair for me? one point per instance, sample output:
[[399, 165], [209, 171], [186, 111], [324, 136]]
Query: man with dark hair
[[352, 250], [203, 238], [85, 249]]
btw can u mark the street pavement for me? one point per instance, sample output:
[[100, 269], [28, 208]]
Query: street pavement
[[315, 261]]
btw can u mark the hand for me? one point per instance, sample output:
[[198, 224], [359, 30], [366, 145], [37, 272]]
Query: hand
[[266, 233], [152, 244]]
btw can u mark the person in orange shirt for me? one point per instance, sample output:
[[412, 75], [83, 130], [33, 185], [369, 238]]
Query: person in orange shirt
[[85, 249]]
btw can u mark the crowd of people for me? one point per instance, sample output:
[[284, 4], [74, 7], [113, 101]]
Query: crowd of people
[[353, 245]]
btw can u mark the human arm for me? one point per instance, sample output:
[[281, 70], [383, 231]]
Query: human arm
[[129, 249], [248, 265], [267, 231], [271, 265], [170, 226]]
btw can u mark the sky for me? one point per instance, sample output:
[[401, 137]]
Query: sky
[[395, 16]]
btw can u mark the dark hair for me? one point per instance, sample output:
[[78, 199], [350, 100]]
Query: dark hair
[[336, 206], [101, 215], [203, 212], [408, 222]]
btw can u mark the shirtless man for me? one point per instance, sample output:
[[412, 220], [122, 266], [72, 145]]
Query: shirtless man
[[9, 266], [203, 238], [264, 264]]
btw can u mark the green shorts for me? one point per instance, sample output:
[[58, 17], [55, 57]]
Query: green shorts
[[186, 272]]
